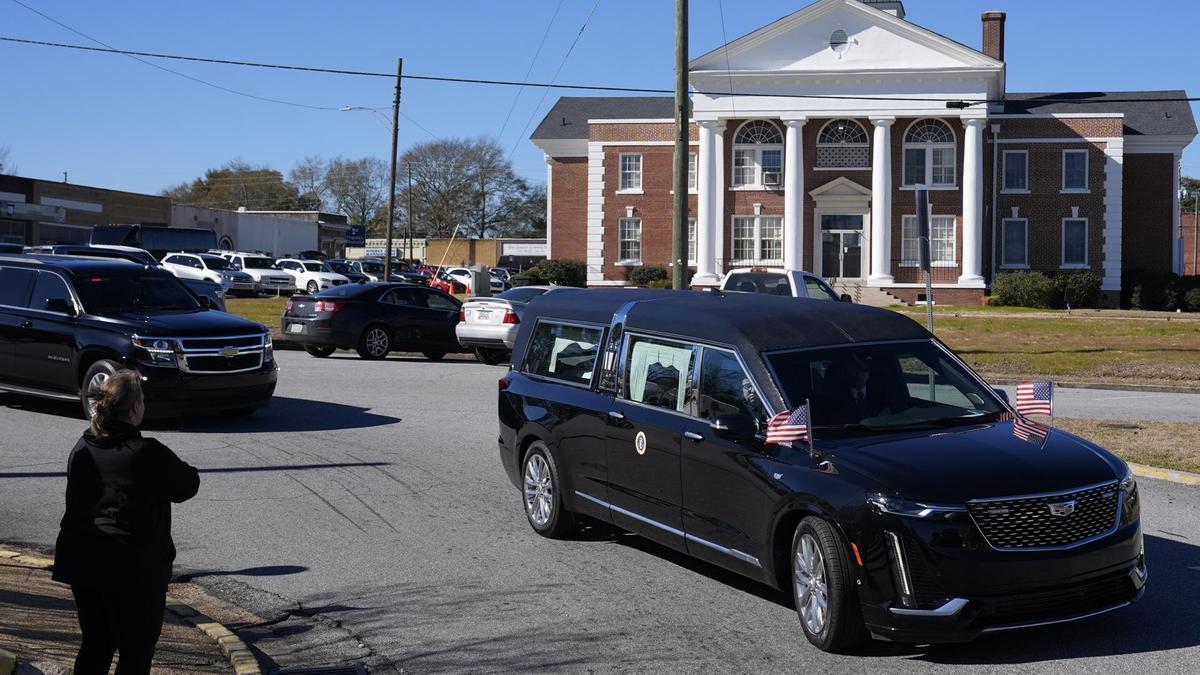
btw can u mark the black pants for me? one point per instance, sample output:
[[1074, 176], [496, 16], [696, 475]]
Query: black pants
[[127, 621]]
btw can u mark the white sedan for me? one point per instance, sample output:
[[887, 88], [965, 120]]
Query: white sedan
[[313, 276], [489, 325], [464, 276]]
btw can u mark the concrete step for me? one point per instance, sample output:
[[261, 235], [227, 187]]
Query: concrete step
[[863, 294]]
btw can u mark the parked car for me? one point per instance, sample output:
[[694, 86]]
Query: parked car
[[489, 325], [68, 323], [129, 253], [312, 276], [346, 269], [924, 508], [263, 270], [778, 281], [446, 283], [209, 267], [464, 276], [375, 319], [11, 248], [502, 273], [401, 271]]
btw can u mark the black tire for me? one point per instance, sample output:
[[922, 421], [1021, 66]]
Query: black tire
[[540, 479], [95, 375], [375, 342], [842, 627], [319, 352], [434, 356], [313, 288], [491, 357]]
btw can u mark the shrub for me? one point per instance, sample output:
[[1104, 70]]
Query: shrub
[[526, 278], [562, 272], [1024, 289], [1154, 290], [644, 276], [1076, 289], [659, 283], [1191, 300]]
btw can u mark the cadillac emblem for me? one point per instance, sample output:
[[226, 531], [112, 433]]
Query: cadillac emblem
[[1062, 509]]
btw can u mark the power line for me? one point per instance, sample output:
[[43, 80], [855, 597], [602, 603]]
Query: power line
[[529, 71], [725, 47], [585, 87]]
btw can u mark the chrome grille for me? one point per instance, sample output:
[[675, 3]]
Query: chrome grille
[[1031, 521], [223, 364], [229, 354], [218, 343]]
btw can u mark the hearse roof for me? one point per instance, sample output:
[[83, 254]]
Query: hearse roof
[[753, 322]]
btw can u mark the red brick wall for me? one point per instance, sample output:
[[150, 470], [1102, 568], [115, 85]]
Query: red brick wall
[[941, 296], [1147, 215], [654, 206], [568, 208], [640, 132], [1191, 254], [1046, 127], [741, 202], [945, 203]]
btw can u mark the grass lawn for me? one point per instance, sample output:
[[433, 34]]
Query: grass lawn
[[1169, 445], [263, 310]]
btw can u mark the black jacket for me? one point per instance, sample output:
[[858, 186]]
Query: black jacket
[[117, 527]]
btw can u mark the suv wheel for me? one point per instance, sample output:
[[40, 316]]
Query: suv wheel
[[491, 357], [375, 342], [96, 376], [540, 490], [319, 352], [823, 587], [313, 288]]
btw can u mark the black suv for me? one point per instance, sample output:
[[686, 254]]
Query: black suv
[[68, 322], [921, 507]]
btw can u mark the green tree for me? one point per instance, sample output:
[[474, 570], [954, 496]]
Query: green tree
[[1190, 192], [238, 184]]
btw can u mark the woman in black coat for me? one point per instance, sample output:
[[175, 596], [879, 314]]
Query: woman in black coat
[[114, 547]]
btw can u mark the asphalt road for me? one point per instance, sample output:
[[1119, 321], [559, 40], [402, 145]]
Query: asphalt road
[[366, 515]]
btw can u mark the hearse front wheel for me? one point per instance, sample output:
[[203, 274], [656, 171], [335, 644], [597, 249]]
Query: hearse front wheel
[[540, 491], [823, 587]]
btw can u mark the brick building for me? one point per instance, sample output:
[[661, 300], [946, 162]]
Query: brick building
[[837, 111], [52, 212]]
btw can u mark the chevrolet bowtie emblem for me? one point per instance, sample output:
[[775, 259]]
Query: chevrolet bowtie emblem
[[229, 352], [1062, 508]]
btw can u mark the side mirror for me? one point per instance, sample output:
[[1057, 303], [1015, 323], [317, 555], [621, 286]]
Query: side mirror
[[845, 297], [1001, 393], [61, 306], [207, 302], [734, 427]]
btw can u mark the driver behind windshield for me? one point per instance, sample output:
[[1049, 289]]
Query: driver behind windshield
[[850, 394]]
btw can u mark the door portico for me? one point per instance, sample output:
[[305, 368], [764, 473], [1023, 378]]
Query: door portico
[[840, 235]]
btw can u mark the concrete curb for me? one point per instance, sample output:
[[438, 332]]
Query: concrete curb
[[1068, 384], [1165, 474], [241, 659]]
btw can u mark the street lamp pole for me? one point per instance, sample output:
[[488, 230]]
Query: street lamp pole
[[391, 214]]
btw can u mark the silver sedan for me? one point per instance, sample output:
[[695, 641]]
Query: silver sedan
[[489, 325]]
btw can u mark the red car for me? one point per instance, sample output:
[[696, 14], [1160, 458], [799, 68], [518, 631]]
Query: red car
[[443, 282]]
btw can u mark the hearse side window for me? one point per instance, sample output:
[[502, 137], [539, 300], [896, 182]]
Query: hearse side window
[[725, 389], [657, 372], [15, 283], [563, 352], [49, 287]]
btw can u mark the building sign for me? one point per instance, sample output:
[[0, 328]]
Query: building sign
[[38, 212], [356, 235], [526, 249]]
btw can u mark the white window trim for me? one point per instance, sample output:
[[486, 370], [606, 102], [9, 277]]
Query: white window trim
[[1004, 173], [932, 263], [758, 241], [1063, 264], [1086, 174], [693, 173], [621, 174], [693, 240], [819, 144], [928, 148], [630, 262], [1003, 224], [756, 160]]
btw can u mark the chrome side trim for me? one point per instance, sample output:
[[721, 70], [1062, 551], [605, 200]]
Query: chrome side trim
[[1075, 617], [732, 552], [37, 392], [951, 608]]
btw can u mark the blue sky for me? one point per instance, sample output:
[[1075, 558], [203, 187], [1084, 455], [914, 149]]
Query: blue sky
[[113, 122]]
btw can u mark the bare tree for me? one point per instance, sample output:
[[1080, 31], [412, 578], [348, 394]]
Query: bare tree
[[357, 187], [5, 166], [309, 178]]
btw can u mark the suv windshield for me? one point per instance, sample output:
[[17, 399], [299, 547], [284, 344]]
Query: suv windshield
[[883, 387], [215, 262], [371, 267], [340, 268], [759, 282], [134, 292], [259, 264], [315, 266]]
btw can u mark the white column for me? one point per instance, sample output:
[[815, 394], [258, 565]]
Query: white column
[[719, 204], [793, 195], [1176, 229], [881, 203], [972, 191], [706, 202], [549, 206]]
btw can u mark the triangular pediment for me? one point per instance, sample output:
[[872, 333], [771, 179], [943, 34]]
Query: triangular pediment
[[874, 41], [840, 187]]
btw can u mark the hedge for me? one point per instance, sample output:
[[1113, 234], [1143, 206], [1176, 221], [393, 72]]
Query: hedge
[[644, 276], [561, 272]]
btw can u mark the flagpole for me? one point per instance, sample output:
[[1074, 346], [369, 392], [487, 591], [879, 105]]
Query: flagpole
[[812, 450]]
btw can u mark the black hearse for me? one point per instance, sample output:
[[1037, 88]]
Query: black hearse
[[924, 510]]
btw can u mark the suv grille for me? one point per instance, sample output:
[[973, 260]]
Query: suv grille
[[1034, 522], [197, 344], [231, 354], [1078, 598]]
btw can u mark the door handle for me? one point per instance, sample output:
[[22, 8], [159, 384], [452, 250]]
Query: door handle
[[616, 415], [693, 435], [26, 324]]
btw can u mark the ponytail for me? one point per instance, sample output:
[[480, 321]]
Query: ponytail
[[114, 399]]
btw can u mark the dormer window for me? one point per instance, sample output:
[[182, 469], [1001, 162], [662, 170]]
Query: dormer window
[[758, 155]]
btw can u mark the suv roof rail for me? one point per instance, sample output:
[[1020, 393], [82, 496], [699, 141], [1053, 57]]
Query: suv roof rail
[[25, 257]]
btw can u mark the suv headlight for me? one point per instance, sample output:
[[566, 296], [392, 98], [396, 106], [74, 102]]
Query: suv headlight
[[155, 351], [903, 507], [1130, 500], [268, 348]]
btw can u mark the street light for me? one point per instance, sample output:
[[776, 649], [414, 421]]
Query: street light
[[376, 111], [395, 126]]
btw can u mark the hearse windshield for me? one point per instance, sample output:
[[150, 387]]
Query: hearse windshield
[[109, 294], [883, 387]]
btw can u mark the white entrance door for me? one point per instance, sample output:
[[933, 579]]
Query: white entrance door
[[842, 246]]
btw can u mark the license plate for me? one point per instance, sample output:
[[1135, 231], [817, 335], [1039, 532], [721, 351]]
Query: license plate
[[483, 314], [295, 328]]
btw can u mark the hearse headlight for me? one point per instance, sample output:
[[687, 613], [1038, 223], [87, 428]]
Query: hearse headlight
[[912, 509], [1130, 501], [155, 351]]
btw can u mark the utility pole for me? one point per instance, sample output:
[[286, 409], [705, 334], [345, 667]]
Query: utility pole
[[391, 214], [679, 233], [410, 250]]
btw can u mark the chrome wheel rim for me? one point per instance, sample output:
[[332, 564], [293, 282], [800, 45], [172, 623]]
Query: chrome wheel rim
[[812, 596], [377, 342], [312, 287], [539, 490], [96, 382]]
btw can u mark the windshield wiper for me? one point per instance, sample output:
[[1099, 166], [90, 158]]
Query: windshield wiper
[[931, 422]]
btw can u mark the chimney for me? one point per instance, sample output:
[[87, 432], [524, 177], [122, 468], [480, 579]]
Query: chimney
[[993, 35]]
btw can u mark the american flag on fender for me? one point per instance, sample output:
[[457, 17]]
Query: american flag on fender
[[1029, 431], [1035, 398], [788, 426]]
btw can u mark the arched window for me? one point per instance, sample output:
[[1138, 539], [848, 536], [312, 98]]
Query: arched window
[[842, 144], [758, 155], [929, 153]]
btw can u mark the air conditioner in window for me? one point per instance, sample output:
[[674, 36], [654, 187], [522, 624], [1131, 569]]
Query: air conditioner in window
[[770, 178]]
